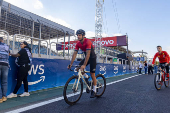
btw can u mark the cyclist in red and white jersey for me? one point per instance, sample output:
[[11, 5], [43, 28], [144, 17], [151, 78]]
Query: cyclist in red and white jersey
[[86, 46], [163, 57]]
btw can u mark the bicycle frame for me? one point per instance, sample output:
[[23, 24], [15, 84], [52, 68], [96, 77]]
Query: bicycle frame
[[81, 76], [163, 73]]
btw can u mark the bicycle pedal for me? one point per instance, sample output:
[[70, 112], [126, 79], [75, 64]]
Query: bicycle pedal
[[87, 90], [97, 89], [160, 83]]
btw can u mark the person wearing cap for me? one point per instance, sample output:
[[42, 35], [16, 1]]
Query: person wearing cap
[[4, 67], [90, 58], [23, 62]]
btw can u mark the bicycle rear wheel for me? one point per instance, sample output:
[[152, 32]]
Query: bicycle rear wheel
[[166, 82], [101, 85], [158, 81], [71, 93]]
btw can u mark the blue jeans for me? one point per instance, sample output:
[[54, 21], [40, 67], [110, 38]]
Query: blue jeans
[[155, 69], [4, 79], [145, 69]]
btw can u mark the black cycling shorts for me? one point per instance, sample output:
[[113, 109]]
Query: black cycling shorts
[[167, 67], [92, 62]]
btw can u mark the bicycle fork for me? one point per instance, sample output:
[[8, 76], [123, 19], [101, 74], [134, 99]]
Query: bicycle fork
[[79, 76], [163, 76]]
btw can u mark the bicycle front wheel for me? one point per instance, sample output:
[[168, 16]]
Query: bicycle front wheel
[[73, 90], [158, 81], [166, 82], [101, 85]]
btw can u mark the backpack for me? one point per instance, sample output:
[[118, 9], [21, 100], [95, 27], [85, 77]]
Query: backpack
[[4, 53], [29, 56]]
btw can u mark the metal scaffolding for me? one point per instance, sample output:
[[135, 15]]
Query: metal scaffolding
[[17, 24], [15, 20], [98, 25]]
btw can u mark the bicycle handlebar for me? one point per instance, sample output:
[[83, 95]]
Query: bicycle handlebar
[[74, 66], [78, 66], [163, 65]]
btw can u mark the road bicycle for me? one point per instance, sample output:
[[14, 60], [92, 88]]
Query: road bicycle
[[160, 77], [73, 88]]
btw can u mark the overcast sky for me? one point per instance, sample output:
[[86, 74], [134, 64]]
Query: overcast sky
[[147, 22]]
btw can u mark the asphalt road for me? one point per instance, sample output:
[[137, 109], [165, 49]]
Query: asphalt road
[[135, 95]]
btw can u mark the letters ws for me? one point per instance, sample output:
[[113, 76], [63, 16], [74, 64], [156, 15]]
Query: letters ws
[[34, 69], [41, 69]]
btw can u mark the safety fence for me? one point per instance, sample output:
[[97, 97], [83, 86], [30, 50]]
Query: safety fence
[[49, 73]]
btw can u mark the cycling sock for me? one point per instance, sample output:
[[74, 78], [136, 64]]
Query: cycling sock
[[85, 75], [94, 88]]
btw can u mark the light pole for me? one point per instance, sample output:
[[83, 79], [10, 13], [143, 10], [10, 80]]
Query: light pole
[[127, 42]]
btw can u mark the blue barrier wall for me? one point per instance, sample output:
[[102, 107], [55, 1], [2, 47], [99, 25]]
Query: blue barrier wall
[[48, 73]]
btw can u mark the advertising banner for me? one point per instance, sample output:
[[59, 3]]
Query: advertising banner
[[107, 42], [142, 59], [138, 58], [49, 73], [114, 59], [121, 40], [134, 58], [58, 46]]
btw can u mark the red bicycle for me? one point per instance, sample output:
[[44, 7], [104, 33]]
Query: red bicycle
[[160, 77]]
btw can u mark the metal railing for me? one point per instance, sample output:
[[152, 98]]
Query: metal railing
[[112, 57], [6, 34], [13, 46], [56, 47], [49, 50]]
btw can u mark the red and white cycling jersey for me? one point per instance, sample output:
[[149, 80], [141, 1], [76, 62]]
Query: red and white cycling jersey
[[87, 45], [163, 57]]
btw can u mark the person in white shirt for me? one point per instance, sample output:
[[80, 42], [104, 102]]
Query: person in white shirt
[[150, 70], [140, 67]]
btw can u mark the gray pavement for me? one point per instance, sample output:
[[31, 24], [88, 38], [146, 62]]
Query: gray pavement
[[43, 95], [135, 95]]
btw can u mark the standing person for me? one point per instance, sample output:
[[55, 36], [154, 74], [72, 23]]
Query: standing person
[[145, 67], [150, 68], [163, 57], [140, 67], [4, 66], [23, 62], [85, 45]]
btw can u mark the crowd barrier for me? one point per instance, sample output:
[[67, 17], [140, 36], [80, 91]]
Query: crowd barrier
[[49, 73]]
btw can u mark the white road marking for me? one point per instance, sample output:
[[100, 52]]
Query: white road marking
[[57, 99], [121, 80]]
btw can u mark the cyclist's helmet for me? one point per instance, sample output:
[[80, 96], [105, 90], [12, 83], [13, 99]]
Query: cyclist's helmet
[[80, 31]]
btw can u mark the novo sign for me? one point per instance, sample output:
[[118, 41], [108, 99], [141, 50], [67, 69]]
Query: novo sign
[[107, 41]]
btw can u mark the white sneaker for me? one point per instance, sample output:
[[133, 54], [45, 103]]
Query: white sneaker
[[12, 95], [25, 94]]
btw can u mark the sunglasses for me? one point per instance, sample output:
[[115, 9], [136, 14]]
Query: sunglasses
[[21, 44]]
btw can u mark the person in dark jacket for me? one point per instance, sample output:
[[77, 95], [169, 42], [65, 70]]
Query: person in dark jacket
[[145, 67], [150, 68], [23, 62]]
